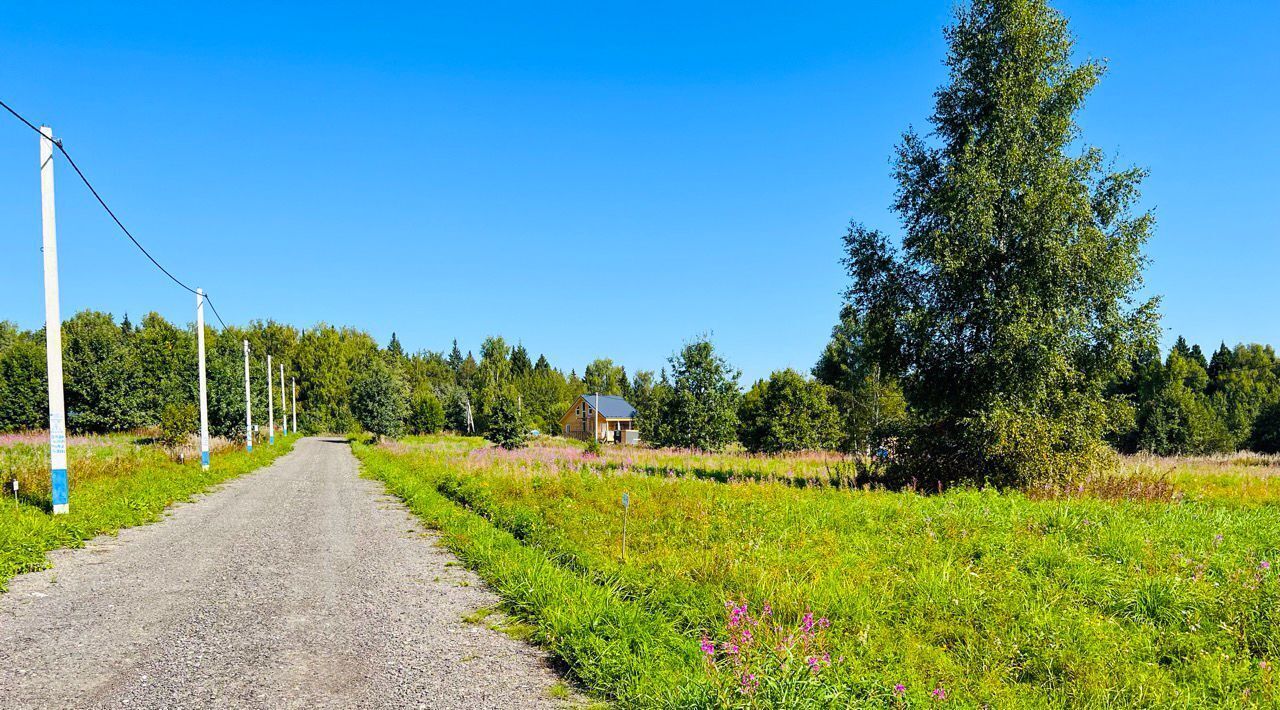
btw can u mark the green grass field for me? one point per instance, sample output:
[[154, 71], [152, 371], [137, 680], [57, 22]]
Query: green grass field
[[114, 483], [759, 594]]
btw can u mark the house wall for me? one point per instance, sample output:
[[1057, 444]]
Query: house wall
[[580, 424]]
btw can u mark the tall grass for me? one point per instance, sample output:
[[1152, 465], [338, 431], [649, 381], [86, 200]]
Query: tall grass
[[979, 596], [114, 483]]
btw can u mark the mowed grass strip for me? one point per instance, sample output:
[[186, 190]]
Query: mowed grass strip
[[995, 598], [615, 648], [113, 484]]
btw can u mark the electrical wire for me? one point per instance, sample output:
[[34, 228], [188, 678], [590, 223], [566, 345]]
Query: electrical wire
[[70, 161]]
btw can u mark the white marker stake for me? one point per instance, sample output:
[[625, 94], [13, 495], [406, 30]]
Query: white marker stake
[[204, 389], [271, 406], [284, 405], [293, 384], [248, 403], [626, 508], [53, 330]]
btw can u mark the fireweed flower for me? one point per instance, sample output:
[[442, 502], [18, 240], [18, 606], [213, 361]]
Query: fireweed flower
[[939, 693], [1264, 566], [749, 683], [708, 647], [806, 623], [899, 689]]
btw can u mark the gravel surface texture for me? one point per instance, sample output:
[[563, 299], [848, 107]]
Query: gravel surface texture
[[299, 585]]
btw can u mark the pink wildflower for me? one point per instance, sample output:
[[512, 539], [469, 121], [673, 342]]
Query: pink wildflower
[[939, 693], [806, 623], [899, 689], [708, 647]]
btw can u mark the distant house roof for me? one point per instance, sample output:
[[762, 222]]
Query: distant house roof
[[612, 406]]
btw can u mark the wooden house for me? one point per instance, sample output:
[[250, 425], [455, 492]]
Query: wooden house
[[607, 417]]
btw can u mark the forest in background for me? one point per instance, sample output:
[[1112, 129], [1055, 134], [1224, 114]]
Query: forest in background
[[121, 376]]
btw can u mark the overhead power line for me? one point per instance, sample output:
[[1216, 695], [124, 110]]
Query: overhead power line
[[70, 161]]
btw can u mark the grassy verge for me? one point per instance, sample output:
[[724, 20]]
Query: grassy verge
[[614, 647], [972, 597], [114, 484]]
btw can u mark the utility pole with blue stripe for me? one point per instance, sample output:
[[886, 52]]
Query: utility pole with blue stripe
[[204, 388], [271, 406], [248, 403], [53, 331], [284, 405]]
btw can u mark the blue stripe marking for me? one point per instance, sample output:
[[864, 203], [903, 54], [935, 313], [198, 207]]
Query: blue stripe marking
[[204, 458], [59, 476]]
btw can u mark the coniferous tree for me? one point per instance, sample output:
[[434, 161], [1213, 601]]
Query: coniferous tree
[[455, 358], [520, 363], [506, 426]]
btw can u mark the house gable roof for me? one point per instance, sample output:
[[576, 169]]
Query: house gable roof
[[612, 406]]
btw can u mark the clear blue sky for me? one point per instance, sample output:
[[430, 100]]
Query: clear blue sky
[[590, 181]]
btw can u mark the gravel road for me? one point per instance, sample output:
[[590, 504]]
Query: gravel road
[[299, 585]]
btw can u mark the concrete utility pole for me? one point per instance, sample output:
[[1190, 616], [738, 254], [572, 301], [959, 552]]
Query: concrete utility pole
[[204, 389], [53, 330], [284, 405], [271, 406], [248, 403], [293, 384]]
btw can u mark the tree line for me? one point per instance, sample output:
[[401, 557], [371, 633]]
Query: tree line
[[122, 376]]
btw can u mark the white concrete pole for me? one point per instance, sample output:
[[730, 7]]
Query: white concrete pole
[[248, 403], [284, 405], [204, 388], [293, 384], [271, 406], [53, 331]]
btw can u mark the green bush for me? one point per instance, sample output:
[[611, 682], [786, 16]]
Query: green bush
[[178, 421], [505, 426], [426, 416]]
